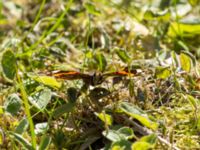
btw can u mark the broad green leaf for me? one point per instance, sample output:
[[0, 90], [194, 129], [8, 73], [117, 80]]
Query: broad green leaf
[[101, 61], [26, 144], [152, 138], [41, 127], [138, 114], [179, 10], [107, 119], [72, 94], [183, 29], [66, 108], [190, 20], [22, 127], [153, 15], [41, 98], [145, 143], [163, 72], [127, 132], [112, 135], [141, 146], [13, 104], [185, 62], [45, 142], [8, 63], [123, 55], [121, 145], [191, 56], [46, 80], [92, 9], [123, 133], [194, 2]]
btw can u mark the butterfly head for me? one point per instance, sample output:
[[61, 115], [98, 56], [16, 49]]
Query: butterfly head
[[97, 78]]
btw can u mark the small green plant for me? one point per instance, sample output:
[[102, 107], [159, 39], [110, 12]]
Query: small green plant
[[99, 74]]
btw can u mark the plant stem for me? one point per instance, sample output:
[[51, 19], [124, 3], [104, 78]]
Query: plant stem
[[27, 110]]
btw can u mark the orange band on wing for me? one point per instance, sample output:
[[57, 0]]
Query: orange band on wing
[[69, 75], [120, 73], [73, 75], [65, 73]]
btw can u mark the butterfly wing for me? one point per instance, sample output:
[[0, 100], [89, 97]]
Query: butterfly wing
[[94, 79], [120, 73], [70, 75]]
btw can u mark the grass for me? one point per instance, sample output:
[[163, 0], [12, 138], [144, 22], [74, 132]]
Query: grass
[[131, 74]]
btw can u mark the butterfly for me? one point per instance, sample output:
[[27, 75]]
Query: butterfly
[[91, 79]]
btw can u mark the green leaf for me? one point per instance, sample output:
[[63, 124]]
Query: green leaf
[[149, 138], [22, 127], [59, 139], [126, 132], [141, 146], [101, 61], [46, 80], [22, 141], [194, 2], [185, 62], [13, 104], [41, 98], [123, 133], [121, 145], [179, 10], [88, 54], [45, 142], [145, 143], [183, 29], [41, 127], [1, 110], [155, 15], [190, 20], [112, 135], [8, 63], [92, 9], [131, 88], [163, 72], [138, 114], [191, 56], [123, 55], [182, 45], [106, 42], [107, 119], [66, 108], [72, 94]]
